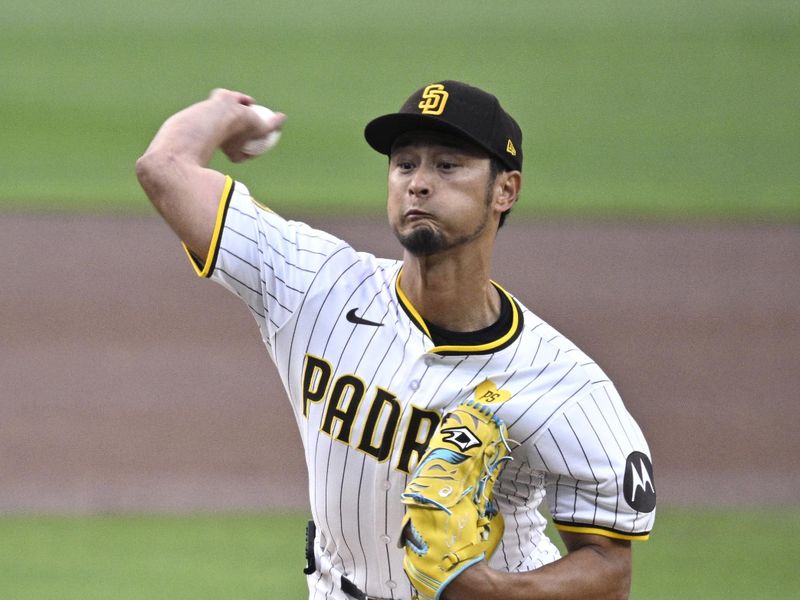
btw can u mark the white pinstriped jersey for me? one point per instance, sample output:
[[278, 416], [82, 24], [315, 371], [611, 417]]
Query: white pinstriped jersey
[[368, 386]]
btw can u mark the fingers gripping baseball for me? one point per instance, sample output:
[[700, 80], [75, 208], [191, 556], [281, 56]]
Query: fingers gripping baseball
[[451, 520], [250, 126]]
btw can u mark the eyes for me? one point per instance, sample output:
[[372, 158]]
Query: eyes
[[406, 165]]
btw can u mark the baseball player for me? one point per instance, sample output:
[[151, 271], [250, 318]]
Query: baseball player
[[373, 353]]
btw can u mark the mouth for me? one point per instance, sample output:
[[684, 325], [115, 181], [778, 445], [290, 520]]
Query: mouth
[[414, 214]]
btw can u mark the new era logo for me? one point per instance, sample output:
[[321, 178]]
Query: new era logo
[[510, 148]]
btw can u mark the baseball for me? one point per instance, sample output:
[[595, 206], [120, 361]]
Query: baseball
[[266, 143]]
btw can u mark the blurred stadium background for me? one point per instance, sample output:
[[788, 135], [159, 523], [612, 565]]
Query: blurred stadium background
[[661, 143]]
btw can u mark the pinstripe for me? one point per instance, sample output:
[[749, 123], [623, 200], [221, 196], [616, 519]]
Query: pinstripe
[[369, 340], [267, 219], [386, 493], [513, 483], [265, 263], [443, 381], [286, 261], [563, 403], [360, 481], [588, 464], [530, 406], [619, 420], [566, 467], [342, 521], [359, 514], [255, 308], [475, 378], [608, 458], [317, 238], [345, 304], [275, 298], [523, 523], [316, 316]]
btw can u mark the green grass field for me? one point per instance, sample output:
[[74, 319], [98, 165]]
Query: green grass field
[[630, 108], [706, 555]]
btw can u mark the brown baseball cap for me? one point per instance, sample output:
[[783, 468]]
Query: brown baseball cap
[[457, 108]]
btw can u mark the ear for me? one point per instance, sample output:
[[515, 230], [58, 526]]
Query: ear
[[507, 187]]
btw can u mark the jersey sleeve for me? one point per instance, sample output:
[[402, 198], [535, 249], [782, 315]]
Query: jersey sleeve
[[598, 471], [267, 261]]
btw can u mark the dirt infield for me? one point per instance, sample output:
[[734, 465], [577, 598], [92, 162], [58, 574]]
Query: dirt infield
[[129, 384]]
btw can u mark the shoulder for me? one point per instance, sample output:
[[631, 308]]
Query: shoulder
[[543, 343], [546, 374], [244, 211]]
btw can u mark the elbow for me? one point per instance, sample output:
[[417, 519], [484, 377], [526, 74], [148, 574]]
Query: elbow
[[607, 563], [156, 172], [620, 575], [150, 167], [143, 166]]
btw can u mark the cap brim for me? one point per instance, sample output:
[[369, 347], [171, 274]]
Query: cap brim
[[382, 132]]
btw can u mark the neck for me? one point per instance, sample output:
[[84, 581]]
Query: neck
[[453, 293]]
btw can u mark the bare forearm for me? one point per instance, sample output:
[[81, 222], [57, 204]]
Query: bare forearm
[[602, 572]]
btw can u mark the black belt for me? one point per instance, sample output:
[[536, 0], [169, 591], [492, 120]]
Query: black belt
[[348, 587]]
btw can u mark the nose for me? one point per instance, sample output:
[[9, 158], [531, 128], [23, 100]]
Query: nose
[[419, 185]]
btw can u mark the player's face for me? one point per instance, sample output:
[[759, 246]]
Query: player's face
[[440, 193]]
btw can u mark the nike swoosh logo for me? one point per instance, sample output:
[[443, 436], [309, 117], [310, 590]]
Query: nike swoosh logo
[[353, 318]]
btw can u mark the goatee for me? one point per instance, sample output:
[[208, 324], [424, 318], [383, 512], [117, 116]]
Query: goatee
[[422, 241]]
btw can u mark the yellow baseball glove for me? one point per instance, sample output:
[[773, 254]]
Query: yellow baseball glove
[[451, 522]]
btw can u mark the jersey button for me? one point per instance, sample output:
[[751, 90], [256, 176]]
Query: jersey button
[[391, 584], [414, 385], [385, 539], [429, 360], [386, 485]]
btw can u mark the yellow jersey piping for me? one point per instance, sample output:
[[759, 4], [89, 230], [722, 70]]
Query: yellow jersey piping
[[588, 529], [205, 270], [418, 320], [512, 333]]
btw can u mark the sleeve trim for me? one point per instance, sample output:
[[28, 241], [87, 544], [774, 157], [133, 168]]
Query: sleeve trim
[[596, 530], [205, 270]]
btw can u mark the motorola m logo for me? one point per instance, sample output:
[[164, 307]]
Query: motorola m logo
[[639, 486]]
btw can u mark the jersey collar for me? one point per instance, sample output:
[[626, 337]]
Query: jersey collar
[[502, 341]]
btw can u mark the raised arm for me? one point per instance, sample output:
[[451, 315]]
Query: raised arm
[[174, 171]]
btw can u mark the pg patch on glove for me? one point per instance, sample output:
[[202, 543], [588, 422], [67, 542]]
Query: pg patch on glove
[[451, 521]]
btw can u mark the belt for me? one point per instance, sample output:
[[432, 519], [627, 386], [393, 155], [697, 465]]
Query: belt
[[350, 588]]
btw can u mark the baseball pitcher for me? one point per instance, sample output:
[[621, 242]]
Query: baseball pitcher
[[438, 414]]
